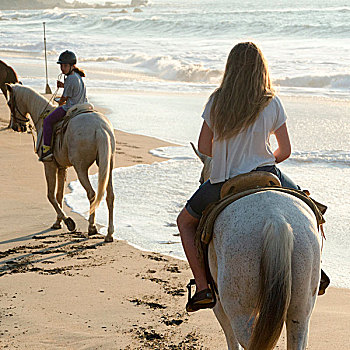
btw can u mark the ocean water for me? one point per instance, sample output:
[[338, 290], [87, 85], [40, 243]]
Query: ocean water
[[182, 45], [154, 70]]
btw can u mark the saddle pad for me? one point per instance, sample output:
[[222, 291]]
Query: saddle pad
[[206, 224], [60, 127], [77, 109]]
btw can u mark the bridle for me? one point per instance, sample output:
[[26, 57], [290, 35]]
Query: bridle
[[23, 119]]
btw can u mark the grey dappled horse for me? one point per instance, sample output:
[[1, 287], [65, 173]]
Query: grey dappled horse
[[265, 260], [89, 137]]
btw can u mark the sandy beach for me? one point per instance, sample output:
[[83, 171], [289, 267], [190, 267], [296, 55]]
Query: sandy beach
[[60, 290]]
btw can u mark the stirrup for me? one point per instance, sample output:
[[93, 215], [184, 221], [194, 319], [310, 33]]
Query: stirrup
[[191, 283], [46, 156], [201, 300]]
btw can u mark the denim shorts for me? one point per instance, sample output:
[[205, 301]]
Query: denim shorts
[[208, 193]]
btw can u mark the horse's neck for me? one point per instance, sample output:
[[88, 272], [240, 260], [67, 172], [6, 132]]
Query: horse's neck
[[35, 105]]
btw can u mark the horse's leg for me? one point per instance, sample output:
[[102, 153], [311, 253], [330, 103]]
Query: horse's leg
[[232, 342], [110, 205], [297, 334], [234, 311], [83, 176], [306, 278], [298, 319], [50, 174], [4, 90], [299, 312], [225, 323], [61, 178]]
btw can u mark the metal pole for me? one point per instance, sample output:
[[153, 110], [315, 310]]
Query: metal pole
[[47, 90]]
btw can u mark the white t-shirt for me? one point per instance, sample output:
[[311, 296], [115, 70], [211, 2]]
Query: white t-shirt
[[249, 149]]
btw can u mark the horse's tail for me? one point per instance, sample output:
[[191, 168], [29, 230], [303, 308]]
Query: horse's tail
[[274, 285], [104, 154]]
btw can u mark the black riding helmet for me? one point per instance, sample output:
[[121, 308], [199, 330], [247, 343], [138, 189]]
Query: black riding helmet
[[67, 57]]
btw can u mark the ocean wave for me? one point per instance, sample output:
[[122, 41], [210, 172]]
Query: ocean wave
[[52, 4], [165, 67], [25, 48], [334, 157], [210, 23], [307, 10], [44, 15], [339, 81]]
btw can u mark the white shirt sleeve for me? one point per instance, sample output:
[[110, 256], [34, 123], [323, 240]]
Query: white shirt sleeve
[[281, 115]]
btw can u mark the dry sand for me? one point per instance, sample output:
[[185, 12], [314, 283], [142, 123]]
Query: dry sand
[[60, 290]]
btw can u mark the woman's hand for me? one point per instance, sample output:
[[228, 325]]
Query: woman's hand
[[60, 84], [284, 148]]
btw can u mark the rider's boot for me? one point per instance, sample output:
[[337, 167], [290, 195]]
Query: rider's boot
[[46, 154]]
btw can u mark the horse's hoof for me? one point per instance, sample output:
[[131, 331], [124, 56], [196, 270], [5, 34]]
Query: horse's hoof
[[70, 224], [56, 226], [92, 231], [108, 239]]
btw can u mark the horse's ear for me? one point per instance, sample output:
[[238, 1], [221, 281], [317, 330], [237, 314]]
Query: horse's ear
[[20, 83], [200, 155], [8, 87]]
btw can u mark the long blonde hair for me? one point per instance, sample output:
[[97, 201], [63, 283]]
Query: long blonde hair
[[245, 90]]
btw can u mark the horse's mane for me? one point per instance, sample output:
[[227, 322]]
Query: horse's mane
[[31, 97]]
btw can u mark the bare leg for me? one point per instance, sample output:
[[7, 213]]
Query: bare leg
[[61, 178], [83, 176], [110, 204], [187, 225]]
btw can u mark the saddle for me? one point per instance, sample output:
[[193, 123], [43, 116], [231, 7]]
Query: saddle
[[61, 127], [249, 181], [244, 185], [72, 112]]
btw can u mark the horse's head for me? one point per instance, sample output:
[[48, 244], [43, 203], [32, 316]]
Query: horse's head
[[19, 119], [206, 160]]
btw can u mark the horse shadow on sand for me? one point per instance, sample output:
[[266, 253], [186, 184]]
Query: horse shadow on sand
[[47, 252]]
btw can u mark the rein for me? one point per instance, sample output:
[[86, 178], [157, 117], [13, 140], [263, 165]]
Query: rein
[[24, 120]]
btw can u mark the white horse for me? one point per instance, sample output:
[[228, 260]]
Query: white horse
[[265, 260], [89, 137]]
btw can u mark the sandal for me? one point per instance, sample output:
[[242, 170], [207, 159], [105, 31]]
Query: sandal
[[201, 300]]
